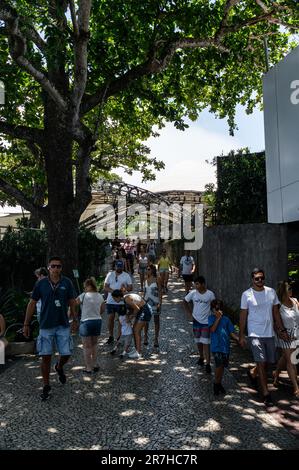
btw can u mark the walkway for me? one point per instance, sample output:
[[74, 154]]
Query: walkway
[[163, 401]]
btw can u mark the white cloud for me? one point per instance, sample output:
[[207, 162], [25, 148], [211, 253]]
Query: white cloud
[[184, 155]]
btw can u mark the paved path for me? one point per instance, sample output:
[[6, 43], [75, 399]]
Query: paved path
[[160, 402]]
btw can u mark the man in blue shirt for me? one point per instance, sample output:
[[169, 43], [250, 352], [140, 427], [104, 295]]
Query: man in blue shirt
[[221, 328], [57, 294]]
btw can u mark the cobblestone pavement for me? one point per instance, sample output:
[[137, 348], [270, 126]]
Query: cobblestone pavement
[[163, 401]]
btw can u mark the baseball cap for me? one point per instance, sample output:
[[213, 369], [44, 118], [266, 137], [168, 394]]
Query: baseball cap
[[119, 264]]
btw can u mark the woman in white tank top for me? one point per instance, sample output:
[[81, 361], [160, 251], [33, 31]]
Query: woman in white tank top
[[289, 312]]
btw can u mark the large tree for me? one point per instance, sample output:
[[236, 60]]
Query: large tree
[[86, 81]]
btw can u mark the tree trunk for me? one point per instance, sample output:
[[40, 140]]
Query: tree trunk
[[62, 230]]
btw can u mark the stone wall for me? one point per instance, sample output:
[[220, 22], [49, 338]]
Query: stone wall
[[230, 252]]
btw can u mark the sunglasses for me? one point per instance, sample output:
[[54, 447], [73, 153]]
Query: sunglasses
[[260, 278], [58, 266]]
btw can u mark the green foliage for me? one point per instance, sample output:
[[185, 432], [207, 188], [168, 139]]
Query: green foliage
[[91, 254], [23, 251], [241, 195]]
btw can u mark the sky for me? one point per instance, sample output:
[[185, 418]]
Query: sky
[[185, 153]]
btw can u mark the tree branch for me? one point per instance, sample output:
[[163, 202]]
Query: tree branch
[[18, 46], [81, 41], [22, 132], [19, 196], [74, 19], [227, 8], [152, 65]]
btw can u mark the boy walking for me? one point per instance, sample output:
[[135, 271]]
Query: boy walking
[[221, 328], [201, 298]]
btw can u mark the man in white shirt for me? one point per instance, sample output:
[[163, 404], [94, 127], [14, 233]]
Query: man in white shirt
[[259, 312], [201, 298], [121, 280], [187, 268]]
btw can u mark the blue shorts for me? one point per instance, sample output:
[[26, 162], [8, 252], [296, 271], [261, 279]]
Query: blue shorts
[[118, 308], [60, 336], [145, 314], [90, 328]]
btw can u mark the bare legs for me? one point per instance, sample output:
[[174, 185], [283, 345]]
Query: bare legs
[[157, 331], [204, 352], [137, 334], [111, 317], [285, 362], [46, 366], [90, 351]]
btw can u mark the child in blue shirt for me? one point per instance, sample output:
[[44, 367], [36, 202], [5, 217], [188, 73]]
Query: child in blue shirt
[[221, 328]]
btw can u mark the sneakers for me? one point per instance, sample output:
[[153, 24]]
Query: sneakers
[[45, 395], [61, 374], [268, 400], [110, 340], [200, 361], [134, 355], [208, 369], [113, 351], [123, 354]]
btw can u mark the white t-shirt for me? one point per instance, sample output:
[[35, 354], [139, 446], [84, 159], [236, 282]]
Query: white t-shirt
[[126, 328], [259, 305], [187, 262], [115, 281], [91, 305], [201, 304]]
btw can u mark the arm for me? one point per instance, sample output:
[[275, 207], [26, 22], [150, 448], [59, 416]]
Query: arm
[[235, 337], [107, 288], [103, 308], [193, 268], [188, 309], [72, 305], [243, 322], [29, 314], [279, 326], [214, 327]]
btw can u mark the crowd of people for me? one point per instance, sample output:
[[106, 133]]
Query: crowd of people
[[269, 320]]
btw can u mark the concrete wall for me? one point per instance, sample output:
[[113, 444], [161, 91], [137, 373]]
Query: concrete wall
[[230, 252]]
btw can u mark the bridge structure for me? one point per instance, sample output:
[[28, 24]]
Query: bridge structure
[[108, 193]]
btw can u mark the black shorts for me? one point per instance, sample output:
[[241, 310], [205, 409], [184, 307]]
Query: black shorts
[[221, 359], [188, 277]]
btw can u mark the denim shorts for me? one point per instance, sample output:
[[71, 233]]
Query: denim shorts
[[118, 308], [59, 336], [144, 314], [90, 328]]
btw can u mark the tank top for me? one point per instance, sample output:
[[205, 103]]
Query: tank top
[[151, 293], [143, 261], [135, 297], [164, 262]]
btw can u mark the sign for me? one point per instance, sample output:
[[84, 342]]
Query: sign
[[281, 114], [76, 273]]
